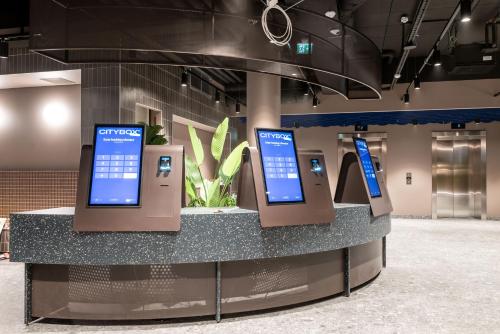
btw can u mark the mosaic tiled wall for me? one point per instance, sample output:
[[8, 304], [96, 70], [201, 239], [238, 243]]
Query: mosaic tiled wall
[[33, 190], [159, 87]]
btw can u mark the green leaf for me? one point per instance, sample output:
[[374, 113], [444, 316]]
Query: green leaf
[[199, 155], [193, 172], [232, 164], [152, 135], [191, 190], [219, 138], [213, 193]]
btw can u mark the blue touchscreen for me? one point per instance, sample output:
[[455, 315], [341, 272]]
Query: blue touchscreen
[[116, 169], [368, 169], [279, 162]]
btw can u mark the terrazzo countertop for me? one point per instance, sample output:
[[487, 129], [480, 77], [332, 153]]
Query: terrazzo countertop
[[206, 235]]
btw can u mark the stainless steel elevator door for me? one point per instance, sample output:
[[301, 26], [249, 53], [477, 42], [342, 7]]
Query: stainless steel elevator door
[[459, 174], [377, 143]]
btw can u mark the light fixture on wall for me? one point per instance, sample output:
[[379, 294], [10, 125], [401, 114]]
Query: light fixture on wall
[[436, 57], [217, 96], [238, 107], [184, 79], [55, 114], [4, 49], [406, 98], [315, 101], [416, 82], [465, 10]]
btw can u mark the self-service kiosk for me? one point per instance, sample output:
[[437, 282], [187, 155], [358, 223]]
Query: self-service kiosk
[[286, 186], [361, 180], [127, 186]]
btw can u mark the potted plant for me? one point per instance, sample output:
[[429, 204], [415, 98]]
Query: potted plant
[[214, 192]]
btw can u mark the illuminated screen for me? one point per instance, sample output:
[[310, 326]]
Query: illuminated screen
[[279, 163], [368, 168], [116, 165]]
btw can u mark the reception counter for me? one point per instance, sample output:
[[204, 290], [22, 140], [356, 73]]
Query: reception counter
[[220, 262]]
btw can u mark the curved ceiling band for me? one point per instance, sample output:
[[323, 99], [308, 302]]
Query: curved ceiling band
[[217, 34]]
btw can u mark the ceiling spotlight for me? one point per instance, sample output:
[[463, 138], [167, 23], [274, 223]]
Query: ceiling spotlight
[[397, 75], [4, 49], [406, 98], [294, 74], [465, 10], [330, 14], [436, 57], [416, 82], [217, 96], [184, 79], [335, 32], [404, 18], [238, 108], [315, 101]]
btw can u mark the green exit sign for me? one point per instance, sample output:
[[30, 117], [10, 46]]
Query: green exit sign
[[304, 48]]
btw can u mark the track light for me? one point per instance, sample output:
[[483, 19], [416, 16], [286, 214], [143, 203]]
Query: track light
[[238, 108], [184, 79], [465, 10], [217, 96], [416, 82], [4, 49], [406, 98], [315, 102], [436, 57]]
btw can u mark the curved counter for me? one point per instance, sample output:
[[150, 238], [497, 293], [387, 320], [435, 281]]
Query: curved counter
[[221, 261]]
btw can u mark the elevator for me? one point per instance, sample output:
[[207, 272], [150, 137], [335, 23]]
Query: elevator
[[377, 143], [459, 174]]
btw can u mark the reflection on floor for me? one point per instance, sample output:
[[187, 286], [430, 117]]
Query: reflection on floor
[[441, 277]]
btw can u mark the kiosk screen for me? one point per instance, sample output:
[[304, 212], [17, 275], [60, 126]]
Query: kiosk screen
[[116, 165], [368, 168], [280, 167]]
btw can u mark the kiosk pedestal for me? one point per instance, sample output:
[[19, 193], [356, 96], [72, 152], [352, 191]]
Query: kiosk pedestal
[[162, 192], [353, 188], [318, 205]]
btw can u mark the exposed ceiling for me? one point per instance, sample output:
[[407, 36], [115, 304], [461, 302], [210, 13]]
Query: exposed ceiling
[[377, 19]]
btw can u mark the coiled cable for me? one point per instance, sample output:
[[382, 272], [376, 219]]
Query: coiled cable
[[279, 40]]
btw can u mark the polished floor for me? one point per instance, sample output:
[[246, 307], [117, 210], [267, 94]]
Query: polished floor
[[442, 277]]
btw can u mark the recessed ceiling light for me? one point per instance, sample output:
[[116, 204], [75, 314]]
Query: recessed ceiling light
[[330, 14], [294, 74], [335, 31], [397, 75]]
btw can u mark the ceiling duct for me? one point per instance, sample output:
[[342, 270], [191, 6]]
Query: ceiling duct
[[411, 41]]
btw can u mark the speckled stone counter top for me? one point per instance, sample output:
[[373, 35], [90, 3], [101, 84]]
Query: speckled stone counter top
[[206, 235]]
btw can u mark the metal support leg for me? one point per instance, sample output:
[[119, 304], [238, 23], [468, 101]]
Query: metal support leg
[[217, 291], [384, 252], [27, 293], [347, 272]]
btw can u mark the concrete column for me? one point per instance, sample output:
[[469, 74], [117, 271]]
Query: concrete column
[[263, 103]]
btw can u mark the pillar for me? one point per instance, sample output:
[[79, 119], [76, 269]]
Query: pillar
[[263, 103]]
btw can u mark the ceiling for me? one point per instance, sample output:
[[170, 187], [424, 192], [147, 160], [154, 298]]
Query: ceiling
[[379, 20], [40, 79]]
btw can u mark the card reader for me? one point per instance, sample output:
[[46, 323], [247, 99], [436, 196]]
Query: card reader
[[316, 166], [165, 164]]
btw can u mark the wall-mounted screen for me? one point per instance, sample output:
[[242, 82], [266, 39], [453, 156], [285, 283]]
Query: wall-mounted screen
[[280, 167], [116, 165], [368, 168]]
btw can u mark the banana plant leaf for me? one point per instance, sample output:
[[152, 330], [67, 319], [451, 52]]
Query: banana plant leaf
[[199, 155], [219, 138], [232, 164]]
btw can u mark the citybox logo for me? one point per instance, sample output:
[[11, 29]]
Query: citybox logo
[[269, 135], [130, 132]]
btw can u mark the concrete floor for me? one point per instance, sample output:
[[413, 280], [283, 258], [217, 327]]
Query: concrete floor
[[441, 277]]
